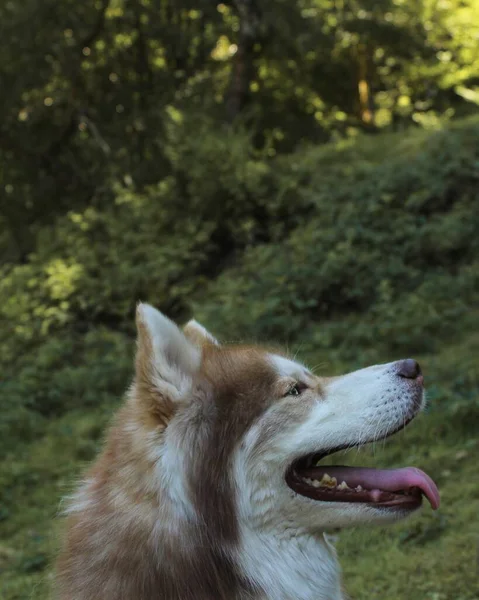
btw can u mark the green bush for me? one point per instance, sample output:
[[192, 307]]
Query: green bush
[[161, 242], [389, 257], [62, 374], [66, 313]]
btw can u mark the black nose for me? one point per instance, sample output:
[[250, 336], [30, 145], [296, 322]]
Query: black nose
[[408, 368]]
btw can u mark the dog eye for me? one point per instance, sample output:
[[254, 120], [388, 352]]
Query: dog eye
[[294, 390]]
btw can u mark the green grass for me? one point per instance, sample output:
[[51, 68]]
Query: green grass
[[33, 483], [432, 556]]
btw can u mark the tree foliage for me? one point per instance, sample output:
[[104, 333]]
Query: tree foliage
[[89, 88]]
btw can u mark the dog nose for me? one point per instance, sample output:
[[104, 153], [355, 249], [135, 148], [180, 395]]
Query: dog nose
[[408, 368]]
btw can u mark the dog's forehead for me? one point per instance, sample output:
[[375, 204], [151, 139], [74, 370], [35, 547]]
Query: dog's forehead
[[234, 369], [286, 367]]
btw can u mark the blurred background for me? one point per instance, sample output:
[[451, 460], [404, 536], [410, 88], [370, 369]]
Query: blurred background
[[303, 171]]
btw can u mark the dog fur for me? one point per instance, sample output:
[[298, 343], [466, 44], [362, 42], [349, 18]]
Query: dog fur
[[188, 499]]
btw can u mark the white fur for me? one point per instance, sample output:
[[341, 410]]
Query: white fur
[[81, 500], [201, 332], [283, 547], [283, 558], [291, 564], [289, 368], [175, 362], [175, 359]]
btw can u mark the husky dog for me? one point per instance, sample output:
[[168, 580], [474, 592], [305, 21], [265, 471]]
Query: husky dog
[[209, 488]]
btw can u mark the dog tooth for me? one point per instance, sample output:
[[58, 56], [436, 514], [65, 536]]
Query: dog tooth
[[343, 486], [359, 488], [316, 483], [328, 481]]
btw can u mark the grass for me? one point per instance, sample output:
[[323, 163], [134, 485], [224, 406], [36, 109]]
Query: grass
[[432, 556]]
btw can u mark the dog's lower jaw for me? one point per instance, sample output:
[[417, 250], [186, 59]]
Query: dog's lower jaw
[[285, 566]]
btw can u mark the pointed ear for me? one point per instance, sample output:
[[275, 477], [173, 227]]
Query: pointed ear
[[165, 362], [197, 334]]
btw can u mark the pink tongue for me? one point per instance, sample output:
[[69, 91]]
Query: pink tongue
[[388, 480]]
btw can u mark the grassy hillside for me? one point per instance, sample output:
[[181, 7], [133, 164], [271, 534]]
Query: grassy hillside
[[353, 253]]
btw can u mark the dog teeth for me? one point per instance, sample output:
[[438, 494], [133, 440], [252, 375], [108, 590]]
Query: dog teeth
[[331, 482], [328, 481], [311, 482]]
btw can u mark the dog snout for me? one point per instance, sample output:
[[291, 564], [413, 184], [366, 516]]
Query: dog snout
[[409, 369]]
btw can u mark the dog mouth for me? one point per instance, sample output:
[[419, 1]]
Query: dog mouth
[[386, 488]]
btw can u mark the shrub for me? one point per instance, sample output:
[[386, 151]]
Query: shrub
[[389, 257]]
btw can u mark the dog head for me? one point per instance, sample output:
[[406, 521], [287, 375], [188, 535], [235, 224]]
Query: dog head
[[240, 430]]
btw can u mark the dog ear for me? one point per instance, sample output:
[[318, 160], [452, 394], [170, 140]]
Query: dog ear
[[166, 362], [197, 334]]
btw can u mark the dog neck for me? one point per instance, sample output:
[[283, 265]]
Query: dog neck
[[286, 565]]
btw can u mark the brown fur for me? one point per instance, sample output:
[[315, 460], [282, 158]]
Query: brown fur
[[242, 382], [111, 551]]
